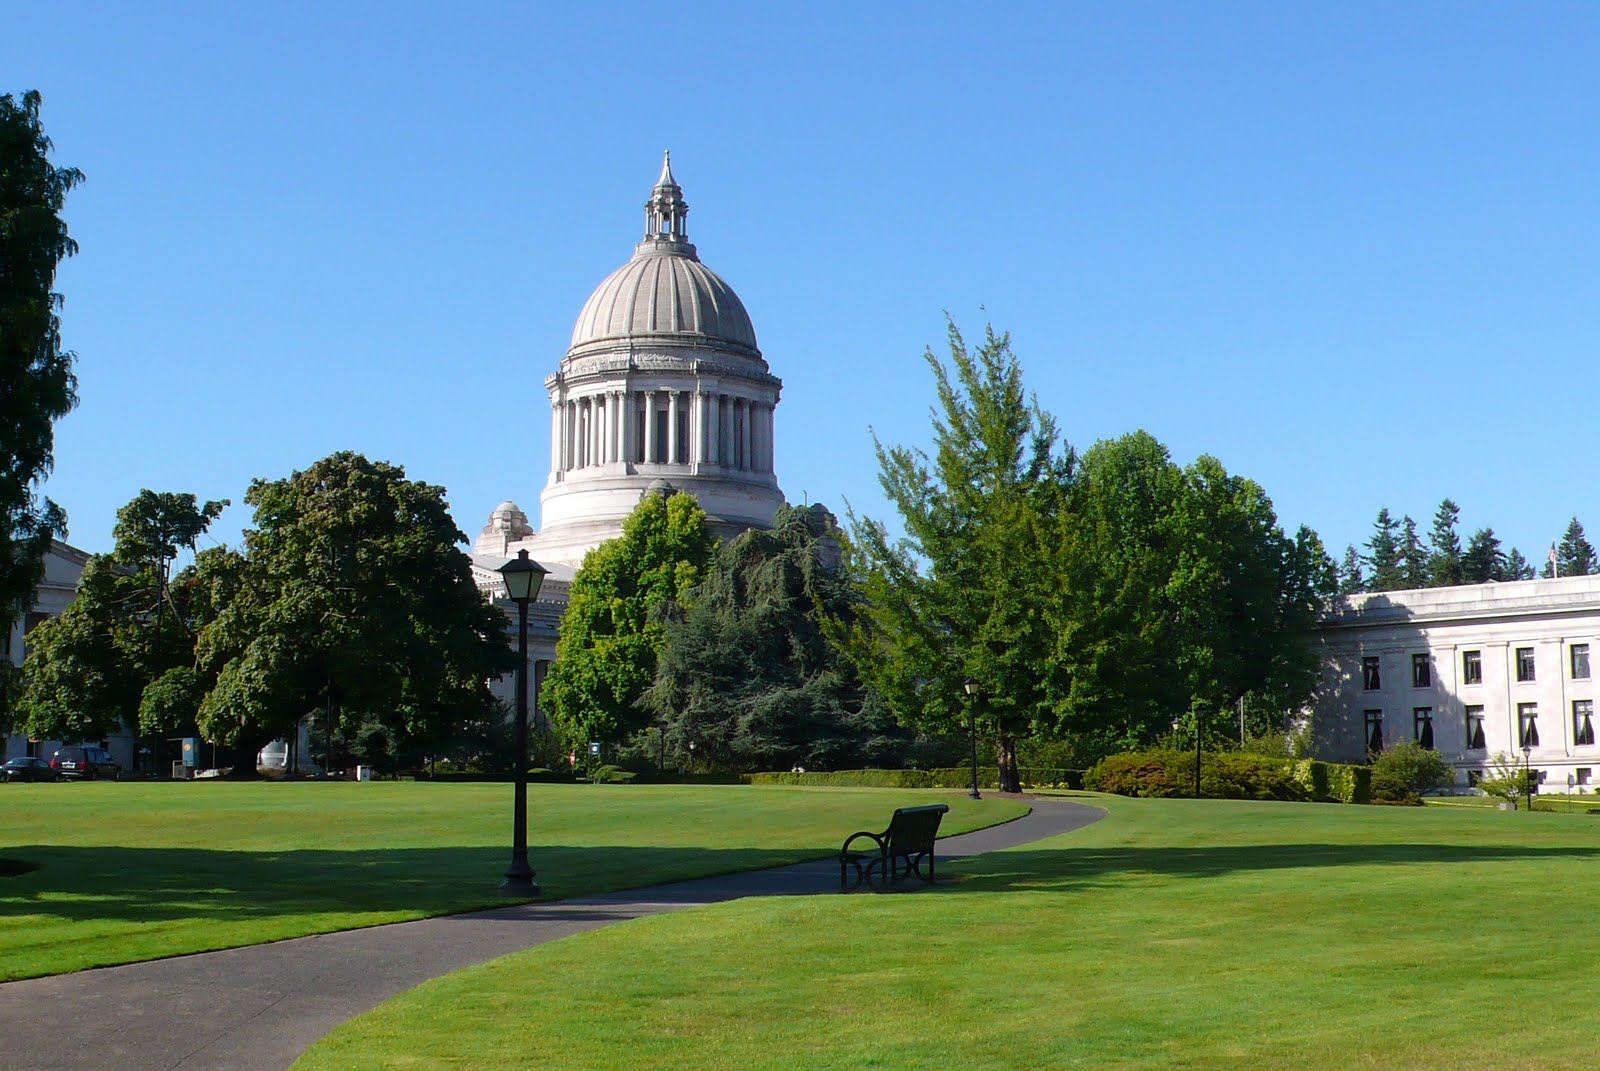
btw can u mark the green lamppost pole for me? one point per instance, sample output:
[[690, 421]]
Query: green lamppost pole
[[970, 686], [522, 576]]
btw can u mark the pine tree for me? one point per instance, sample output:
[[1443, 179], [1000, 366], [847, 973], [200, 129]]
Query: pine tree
[[1383, 555], [1518, 567], [1483, 561], [1352, 580], [1576, 556], [1413, 559], [1444, 563]]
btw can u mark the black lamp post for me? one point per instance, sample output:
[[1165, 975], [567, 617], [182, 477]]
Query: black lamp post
[[970, 686], [523, 576], [1527, 775]]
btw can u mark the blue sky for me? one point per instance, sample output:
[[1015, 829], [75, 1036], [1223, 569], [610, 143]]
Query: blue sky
[[1352, 250]]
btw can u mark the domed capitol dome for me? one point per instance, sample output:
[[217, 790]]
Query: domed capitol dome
[[663, 385]]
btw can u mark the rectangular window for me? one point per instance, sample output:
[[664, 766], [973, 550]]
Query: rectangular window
[[1369, 674], [1422, 726], [1472, 778], [1475, 741], [1583, 722], [1528, 724], [1374, 731], [1421, 672], [1580, 661], [1583, 775], [1524, 663], [1471, 667]]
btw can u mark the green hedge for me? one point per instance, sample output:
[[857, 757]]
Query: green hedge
[[1223, 775], [1349, 784], [944, 777]]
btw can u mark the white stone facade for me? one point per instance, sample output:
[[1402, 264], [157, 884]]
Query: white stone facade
[[662, 388], [1484, 667]]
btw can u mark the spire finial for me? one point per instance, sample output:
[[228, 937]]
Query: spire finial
[[666, 213]]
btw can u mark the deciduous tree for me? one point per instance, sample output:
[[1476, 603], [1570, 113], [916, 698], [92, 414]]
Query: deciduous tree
[[37, 386], [615, 624]]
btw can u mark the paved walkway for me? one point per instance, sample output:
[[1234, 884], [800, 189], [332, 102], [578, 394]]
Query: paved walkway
[[258, 1008]]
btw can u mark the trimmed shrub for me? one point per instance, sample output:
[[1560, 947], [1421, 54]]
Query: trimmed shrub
[[1402, 773], [943, 777], [1223, 775], [1350, 784], [612, 775], [1312, 774]]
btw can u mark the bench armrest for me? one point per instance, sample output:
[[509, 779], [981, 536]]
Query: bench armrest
[[876, 838]]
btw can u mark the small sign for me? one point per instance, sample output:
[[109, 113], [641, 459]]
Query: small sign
[[594, 747], [191, 752]]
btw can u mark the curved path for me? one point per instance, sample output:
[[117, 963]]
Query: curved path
[[259, 1007]]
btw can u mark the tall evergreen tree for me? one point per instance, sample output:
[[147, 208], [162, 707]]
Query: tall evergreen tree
[[1444, 558], [1575, 556], [1413, 559], [37, 386], [1518, 567], [1483, 560], [1385, 570], [1352, 580]]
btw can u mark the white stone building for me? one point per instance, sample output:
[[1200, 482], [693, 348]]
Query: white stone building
[[663, 388], [1473, 671]]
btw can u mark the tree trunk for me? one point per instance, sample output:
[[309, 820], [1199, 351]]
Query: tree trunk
[[248, 744], [1010, 781]]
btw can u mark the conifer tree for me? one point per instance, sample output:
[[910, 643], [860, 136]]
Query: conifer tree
[[1383, 555], [1413, 559], [1518, 567], [1483, 561], [1352, 581], [1575, 556], [1444, 559]]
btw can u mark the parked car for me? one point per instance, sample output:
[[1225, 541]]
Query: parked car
[[27, 768], [85, 761]]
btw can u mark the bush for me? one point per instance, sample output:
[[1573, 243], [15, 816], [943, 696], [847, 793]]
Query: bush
[[1404, 772], [1166, 773], [1349, 784], [943, 777], [1312, 774], [1151, 774], [612, 775]]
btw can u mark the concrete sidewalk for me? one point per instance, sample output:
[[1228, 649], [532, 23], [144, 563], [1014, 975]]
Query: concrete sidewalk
[[258, 1008]]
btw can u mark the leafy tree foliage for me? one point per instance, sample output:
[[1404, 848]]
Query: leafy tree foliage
[[960, 595], [614, 627], [101, 664], [354, 602], [37, 386], [1386, 570], [748, 673], [1575, 556], [1444, 558], [1484, 560]]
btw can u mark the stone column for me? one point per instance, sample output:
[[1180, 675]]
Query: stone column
[[749, 460], [556, 410], [619, 405], [649, 426], [672, 428], [714, 429]]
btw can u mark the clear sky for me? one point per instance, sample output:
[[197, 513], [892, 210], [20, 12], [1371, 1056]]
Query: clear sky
[[1352, 250]]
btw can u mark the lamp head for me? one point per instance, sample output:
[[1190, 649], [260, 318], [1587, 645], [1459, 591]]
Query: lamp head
[[970, 686], [522, 576]]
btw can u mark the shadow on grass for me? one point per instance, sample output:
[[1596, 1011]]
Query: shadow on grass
[[1069, 867], [160, 884]]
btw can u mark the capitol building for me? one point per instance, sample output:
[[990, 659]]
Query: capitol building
[[663, 388]]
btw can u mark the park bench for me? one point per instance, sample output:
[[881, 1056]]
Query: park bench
[[897, 852]]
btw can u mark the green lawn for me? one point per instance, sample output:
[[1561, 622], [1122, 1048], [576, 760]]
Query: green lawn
[[1173, 934], [136, 871]]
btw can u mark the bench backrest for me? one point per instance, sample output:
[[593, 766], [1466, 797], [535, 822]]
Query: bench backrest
[[913, 829]]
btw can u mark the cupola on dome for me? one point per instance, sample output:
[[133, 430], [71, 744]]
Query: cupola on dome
[[664, 293]]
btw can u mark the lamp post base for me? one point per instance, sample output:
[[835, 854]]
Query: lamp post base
[[519, 881], [974, 794]]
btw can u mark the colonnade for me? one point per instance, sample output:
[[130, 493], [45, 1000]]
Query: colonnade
[[662, 426]]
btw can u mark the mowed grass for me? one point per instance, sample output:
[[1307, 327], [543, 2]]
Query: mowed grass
[[1173, 934], [128, 871]]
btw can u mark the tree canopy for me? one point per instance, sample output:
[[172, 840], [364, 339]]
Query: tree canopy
[[614, 626], [747, 672], [37, 385]]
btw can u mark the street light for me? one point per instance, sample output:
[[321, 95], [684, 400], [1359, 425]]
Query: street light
[[691, 758], [522, 577], [1527, 777], [970, 686]]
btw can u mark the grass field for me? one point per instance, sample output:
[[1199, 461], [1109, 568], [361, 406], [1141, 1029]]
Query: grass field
[[1173, 934], [138, 871]]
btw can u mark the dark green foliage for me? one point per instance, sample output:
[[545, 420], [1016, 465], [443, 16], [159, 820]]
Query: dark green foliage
[[612, 775], [1349, 784], [1518, 567], [1483, 560], [944, 777], [1313, 777], [1386, 572], [1413, 559], [1352, 579], [1575, 556], [747, 672], [615, 624], [1444, 557], [37, 386], [1406, 771], [1170, 773], [354, 603]]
